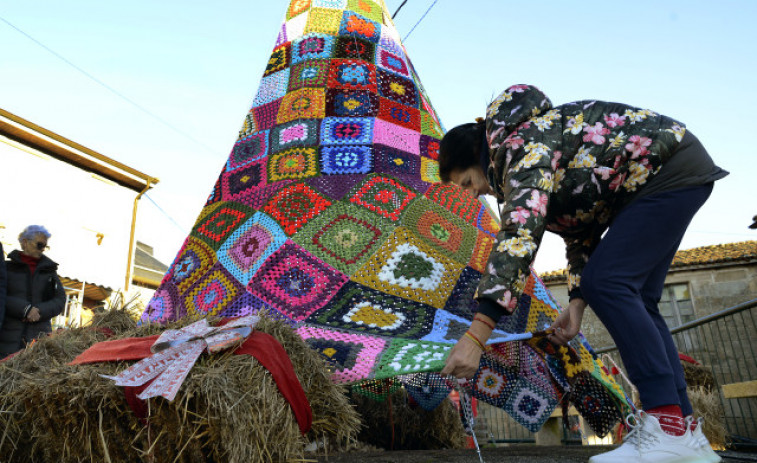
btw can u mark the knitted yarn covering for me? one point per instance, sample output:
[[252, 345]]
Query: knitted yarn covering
[[328, 214]]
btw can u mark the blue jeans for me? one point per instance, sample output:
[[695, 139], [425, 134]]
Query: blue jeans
[[623, 282]]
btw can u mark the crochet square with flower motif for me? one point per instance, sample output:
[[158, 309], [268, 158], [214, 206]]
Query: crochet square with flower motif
[[194, 259], [294, 163], [455, 200], [294, 205], [236, 183], [244, 251], [429, 147], [384, 196], [396, 162], [324, 20], [248, 149], [212, 293], [346, 159], [354, 49], [400, 114], [312, 47], [397, 88], [352, 75], [305, 103], [385, 59], [359, 103], [404, 356], [272, 87], [353, 356], [311, 73], [440, 229], [294, 134], [218, 225], [347, 131], [354, 25]]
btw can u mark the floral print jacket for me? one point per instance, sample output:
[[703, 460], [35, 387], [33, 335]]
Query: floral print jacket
[[567, 169]]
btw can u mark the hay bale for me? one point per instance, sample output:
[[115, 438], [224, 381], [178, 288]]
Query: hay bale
[[228, 409], [706, 404], [413, 427], [698, 375]]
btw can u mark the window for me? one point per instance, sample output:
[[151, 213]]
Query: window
[[675, 305]]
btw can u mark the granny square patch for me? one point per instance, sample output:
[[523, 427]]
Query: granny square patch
[[297, 7], [346, 159], [272, 87], [323, 20], [396, 136], [212, 293], [294, 205], [430, 127], [194, 259], [396, 162], [430, 171], [353, 356], [399, 114], [530, 406], [311, 73], [294, 134], [441, 229], [385, 59], [294, 282], [244, 251], [248, 149], [218, 225], [397, 88], [354, 48], [305, 103], [335, 4], [406, 267], [429, 147], [404, 356], [455, 200], [359, 103], [493, 382], [352, 75], [164, 306], [312, 47], [294, 163], [480, 256], [363, 309], [354, 25], [344, 236], [368, 9], [247, 304], [346, 131], [335, 190], [237, 182], [265, 114], [429, 390], [257, 198], [279, 59], [461, 301], [448, 328], [384, 196]]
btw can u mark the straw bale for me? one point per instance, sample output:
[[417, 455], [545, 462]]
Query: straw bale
[[228, 409], [707, 405], [698, 375], [396, 424]]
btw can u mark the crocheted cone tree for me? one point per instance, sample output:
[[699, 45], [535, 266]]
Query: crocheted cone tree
[[328, 214]]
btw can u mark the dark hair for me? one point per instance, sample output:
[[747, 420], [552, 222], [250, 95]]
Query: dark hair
[[460, 148]]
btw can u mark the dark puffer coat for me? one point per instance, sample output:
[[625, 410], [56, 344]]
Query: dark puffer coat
[[42, 290]]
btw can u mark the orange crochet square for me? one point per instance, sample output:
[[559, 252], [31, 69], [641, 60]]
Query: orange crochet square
[[305, 103]]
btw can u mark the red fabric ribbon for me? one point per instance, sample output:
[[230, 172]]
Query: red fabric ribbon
[[264, 347]]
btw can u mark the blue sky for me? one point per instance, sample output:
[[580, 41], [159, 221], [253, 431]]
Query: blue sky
[[196, 66]]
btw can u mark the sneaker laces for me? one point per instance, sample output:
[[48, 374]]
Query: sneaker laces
[[638, 436]]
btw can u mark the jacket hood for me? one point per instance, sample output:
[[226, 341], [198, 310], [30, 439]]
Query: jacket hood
[[44, 261], [516, 105]]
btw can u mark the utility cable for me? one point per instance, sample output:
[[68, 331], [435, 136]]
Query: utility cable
[[165, 213], [419, 21], [109, 88], [399, 8]]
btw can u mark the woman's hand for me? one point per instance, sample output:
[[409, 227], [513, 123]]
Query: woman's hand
[[465, 356], [568, 323], [33, 315]]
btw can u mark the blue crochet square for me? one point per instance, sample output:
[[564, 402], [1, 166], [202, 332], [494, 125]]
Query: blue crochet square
[[347, 131], [312, 46], [346, 159]]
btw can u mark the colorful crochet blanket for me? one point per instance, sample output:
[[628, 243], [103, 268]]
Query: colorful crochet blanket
[[329, 215]]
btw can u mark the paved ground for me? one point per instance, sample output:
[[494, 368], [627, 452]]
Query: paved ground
[[511, 454]]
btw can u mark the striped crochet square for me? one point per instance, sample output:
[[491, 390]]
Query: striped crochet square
[[355, 25], [354, 49], [455, 200], [346, 131], [352, 356], [406, 267], [362, 309], [397, 113], [265, 115], [384, 196], [335, 4], [392, 62], [323, 20], [295, 134], [219, 224], [280, 59], [396, 162], [397, 88], [312, 46], [238, 182], [404, 356], [305, 103], [294, 205], [396, 136], [346, 159], [244, 251], [272, 87], [430, 171], [440, 229], [297, 7], [352, 75], [212, 293], [248, 149], [368, 9], [344, 236], [293, 163], [357, 103], [294, 282], [429, 147], [311, 73]]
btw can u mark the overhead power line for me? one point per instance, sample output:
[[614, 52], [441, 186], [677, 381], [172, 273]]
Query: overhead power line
[[419, 21], [109, 88], [399, 8]]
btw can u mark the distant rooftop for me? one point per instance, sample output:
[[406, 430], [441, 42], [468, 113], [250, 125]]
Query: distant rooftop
[[729, 253]]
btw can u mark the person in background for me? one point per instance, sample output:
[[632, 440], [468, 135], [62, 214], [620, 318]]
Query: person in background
[[34, 292], [620, 185], [3, 284]]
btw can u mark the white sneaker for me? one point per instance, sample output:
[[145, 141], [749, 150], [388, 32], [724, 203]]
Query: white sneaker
[[700, 443], [648, 443]]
